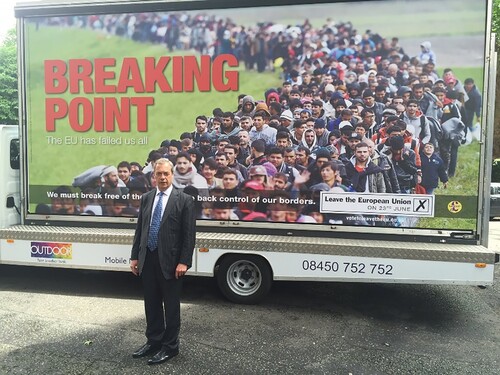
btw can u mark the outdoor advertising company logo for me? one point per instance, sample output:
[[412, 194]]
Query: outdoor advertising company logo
[[51, 250]]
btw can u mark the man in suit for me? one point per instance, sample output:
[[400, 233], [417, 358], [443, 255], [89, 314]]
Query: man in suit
[[161, 254]]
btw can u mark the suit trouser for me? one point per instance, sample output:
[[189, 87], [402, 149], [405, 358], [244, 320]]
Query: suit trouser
[[162, 304]]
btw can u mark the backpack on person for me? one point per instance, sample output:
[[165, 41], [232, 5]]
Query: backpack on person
[[435, 128]]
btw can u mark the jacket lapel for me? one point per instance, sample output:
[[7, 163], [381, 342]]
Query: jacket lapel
[[149, 207], [170, 204]]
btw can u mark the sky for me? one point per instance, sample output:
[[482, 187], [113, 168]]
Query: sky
[[7, 19]]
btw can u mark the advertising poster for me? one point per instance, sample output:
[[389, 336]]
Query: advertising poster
[[353, 114]]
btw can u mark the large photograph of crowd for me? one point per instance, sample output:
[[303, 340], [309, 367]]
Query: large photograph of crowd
[[342, 109]]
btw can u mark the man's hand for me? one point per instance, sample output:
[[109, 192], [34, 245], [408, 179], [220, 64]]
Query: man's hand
[[180, 270], [134, 267]]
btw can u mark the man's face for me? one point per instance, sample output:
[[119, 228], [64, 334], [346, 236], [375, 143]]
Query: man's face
[[163, 175], [258, 122], [397, 101], [304, 115], [231, 155], [276, 159], [208, 173], [221, 213], [285, 122], [339, 108], [310, 136], [229, 181], [392, 70], [301, 157], [368, 119], [327, 79], [244, 138], [205, 146], [319, 131], [123, 174], [380, 95], [221, 146], [362, 154], [295, 95], [411, 109], [369, 101], [292, 216], [428, 149], [185, 148], [468, 86], [182, 165], [289, 157], [227, 122], [321, 161], [353, 142], [111, 179], [360, 130], [308, 105], [301, 129], [221, 160], [117, 208], [310, 124], [424, 78], [279, 184], [282, 142], [216, 125], [327, 174], [201, 125], [286, 89], [441, 96], [316, 110], [248, 107], [418, 93], [246, 124]]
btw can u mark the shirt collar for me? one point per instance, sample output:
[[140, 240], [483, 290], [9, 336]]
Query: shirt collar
[[166, 192]]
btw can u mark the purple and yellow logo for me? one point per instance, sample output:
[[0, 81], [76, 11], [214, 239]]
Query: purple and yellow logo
[[454, 207], [51, 250]]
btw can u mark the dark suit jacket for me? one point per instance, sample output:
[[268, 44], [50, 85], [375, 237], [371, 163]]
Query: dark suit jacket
[[176, 237]]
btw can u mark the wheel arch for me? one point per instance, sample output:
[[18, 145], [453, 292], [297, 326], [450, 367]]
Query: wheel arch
[[226, 255]]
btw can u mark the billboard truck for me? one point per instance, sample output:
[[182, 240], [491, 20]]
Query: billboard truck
[[318, 143]]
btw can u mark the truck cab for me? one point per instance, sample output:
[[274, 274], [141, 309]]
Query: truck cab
[[9, 170]]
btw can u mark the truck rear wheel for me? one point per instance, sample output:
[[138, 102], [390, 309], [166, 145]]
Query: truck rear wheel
[[244, 278]]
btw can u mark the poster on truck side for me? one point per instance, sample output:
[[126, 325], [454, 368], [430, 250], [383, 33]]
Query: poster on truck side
[[345, 113]]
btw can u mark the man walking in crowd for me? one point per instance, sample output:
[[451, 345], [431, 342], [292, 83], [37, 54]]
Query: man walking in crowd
[[362, 173]]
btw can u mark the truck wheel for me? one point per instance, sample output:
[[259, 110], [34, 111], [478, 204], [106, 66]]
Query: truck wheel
[[244, 278]]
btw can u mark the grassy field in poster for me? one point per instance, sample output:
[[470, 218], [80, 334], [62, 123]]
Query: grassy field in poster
[[171, 115]]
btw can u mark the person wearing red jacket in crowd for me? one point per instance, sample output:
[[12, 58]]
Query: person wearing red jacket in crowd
[[409, 141]]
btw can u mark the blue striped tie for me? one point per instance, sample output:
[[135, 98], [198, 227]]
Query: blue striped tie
[[155, 225]]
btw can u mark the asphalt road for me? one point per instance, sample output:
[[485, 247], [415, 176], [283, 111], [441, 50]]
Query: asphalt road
[[55, 321]]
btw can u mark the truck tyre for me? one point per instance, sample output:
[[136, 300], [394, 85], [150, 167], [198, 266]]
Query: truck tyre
[[244, 278]]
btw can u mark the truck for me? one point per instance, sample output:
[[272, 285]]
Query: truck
[[239, 97]]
